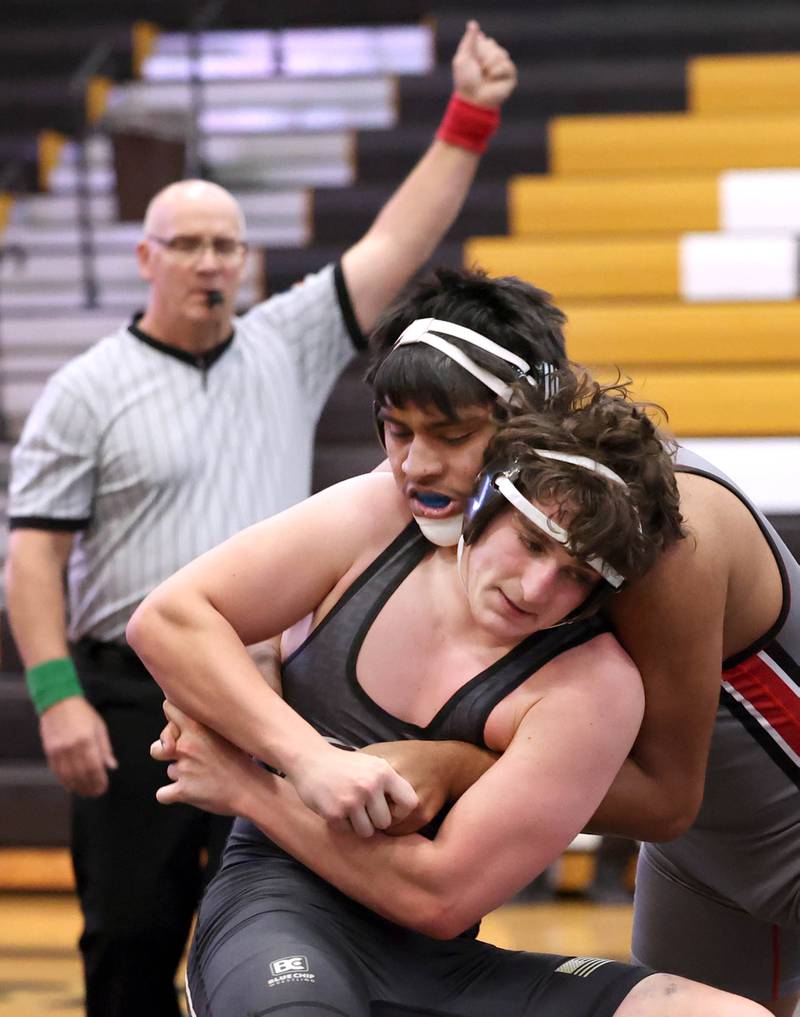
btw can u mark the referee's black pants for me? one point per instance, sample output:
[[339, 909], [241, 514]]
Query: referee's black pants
[[139, 866]]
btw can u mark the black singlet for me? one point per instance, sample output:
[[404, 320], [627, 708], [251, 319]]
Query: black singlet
[[274, 938]]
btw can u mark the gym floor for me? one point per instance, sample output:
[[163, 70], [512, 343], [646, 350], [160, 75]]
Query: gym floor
[[40, 971]]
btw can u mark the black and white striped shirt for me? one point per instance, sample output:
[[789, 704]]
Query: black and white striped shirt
[[154, 456]]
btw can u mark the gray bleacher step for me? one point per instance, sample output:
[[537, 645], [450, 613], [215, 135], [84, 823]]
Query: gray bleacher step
[[49, 209], [320, 52], [49, 223], [35, 237], [260, 106], [96, 150], [323, 159], [35, 804], [241, 160], [100, 180]]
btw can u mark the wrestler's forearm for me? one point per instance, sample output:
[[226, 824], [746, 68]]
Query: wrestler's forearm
[[439, 887], [397, 877], [468, 764], [34, 578], [645, 806], [408, 229], [624, 811]]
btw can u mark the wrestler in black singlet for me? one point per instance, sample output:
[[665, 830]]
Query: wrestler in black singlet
[[273, 937]]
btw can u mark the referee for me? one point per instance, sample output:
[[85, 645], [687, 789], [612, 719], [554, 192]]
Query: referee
[[159, 442]]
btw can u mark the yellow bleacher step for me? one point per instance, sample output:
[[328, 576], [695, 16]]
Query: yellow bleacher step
[[6, 204], [583, 268], [671, 333], [144, 36], [744, 84], [719, 401], [672, 142], [555, 206], [31, 868]]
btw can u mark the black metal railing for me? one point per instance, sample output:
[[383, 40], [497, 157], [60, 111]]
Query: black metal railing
[[99, 60], [199, 22], [8, 253]]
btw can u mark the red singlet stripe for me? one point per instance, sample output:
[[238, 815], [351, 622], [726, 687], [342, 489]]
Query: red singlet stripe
[[759, 685]]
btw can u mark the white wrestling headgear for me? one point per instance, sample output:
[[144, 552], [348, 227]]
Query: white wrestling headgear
[[503, 482], [423, 331]]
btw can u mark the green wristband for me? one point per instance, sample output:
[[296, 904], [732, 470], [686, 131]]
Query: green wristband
[[52, 681]]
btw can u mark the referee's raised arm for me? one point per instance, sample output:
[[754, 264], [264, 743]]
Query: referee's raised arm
[[414, 220]]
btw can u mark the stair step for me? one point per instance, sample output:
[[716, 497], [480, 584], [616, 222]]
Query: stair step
[[745, 84], [671, 143], [306, 52], [259, 106], [695, 266], [743, 200]]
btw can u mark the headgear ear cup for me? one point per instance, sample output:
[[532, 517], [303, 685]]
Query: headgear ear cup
[[486, 501]]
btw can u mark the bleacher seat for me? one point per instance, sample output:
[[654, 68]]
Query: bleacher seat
[[673, 143], [744, 84]]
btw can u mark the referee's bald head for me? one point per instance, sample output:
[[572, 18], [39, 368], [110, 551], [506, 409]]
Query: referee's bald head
[[187, 197]]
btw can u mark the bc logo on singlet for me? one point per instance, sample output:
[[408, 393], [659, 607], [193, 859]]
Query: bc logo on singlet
[[289, 969]]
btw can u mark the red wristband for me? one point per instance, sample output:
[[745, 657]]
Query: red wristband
[[466, 125]]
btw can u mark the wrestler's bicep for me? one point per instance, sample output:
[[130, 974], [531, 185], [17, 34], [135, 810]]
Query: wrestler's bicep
[[528, 807]]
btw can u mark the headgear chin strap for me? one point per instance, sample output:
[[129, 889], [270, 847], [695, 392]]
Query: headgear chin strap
[[442, 532]]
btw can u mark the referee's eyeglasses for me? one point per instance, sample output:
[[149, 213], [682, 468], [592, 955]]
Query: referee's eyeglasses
[[186, 247]]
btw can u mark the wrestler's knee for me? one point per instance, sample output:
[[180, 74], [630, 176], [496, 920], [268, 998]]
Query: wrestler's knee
[[663, 995]]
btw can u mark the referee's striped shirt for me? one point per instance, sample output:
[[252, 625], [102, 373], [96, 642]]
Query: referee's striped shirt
[[153, 456]]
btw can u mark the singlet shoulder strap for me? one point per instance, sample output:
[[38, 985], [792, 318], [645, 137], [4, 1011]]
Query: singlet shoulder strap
[[375, 583], [464, 716]]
